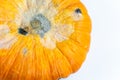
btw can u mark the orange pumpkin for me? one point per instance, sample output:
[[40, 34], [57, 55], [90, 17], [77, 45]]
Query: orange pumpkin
[[42, 39]]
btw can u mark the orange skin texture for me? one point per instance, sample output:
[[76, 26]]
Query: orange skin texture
[[41, 63]]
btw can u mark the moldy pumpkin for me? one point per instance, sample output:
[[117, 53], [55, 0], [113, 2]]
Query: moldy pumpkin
[[42, 39]]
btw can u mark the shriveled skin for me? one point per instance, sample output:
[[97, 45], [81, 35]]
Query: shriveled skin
[[52, 47]]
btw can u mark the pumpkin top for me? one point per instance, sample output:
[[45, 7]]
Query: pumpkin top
[[42, 39]]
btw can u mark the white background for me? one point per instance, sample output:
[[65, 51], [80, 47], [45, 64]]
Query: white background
[[103, 60]]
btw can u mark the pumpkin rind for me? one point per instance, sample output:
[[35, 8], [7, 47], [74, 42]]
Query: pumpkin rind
[[60, 52]]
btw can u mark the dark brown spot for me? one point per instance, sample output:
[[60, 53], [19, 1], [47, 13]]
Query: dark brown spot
[[78, 10], [22, 31]]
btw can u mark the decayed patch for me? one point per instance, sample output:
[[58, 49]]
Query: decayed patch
[[3, 31], [77, 15], [56, 32], [6, 39], [62, 32]]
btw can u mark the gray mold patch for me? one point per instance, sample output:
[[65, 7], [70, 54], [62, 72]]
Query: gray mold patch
[[40, 24]]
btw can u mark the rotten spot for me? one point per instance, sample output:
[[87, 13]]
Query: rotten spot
[[22, 31], [39, 24], [78, 11]]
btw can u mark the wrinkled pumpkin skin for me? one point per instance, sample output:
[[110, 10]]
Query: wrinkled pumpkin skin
[[32, 57]]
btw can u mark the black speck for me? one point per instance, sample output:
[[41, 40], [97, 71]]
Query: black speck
[[22, 31], [78, 10]]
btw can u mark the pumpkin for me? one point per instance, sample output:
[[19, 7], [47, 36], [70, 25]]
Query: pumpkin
[[42, 39]]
